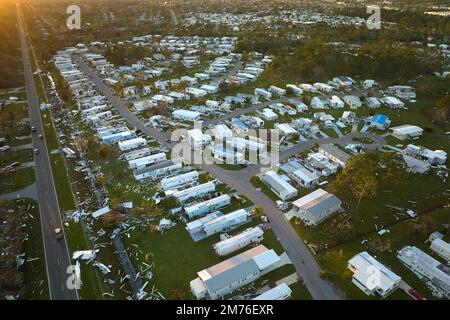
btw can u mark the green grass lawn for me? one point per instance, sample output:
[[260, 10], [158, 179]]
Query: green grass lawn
[[36, 286], [329, 132], [177, 258], [16, 180], [34, 271], [24, 155], [232, 167], [17, 110], [13, 123], [299, 292]]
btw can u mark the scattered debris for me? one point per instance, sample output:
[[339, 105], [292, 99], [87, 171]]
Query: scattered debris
[[85, 254], [411, 213], [104, 269]]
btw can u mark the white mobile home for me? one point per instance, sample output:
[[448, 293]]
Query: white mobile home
[[263, 93], [436, 157], [199, 191], [179, 96], [197, 93], [280, 292], [353, 101], [146, 161], [441, 248], [162, 98], [239, 241], [323, 87], [335, 154], [158, 170], [363, 267], [106, 131], [283, 189], [228, 156], [372, 102], [295, 89], [119, 136], [94, 110], [393, 102], [192, 81], [317, 103], [406, 131], [186, 115], [431, 271], [99, 116], [285, 129], [269, 115], [197, 138], [216, 222], [229, 275], [137, 154], [343, 81], [336, 102], [207, 206], [143, 105], [278, 91], [403, 92], [245, 144], [179, 180], [132, 144], [317, 206], [307, 87], [305, 178], [210, 88], [221, 131]]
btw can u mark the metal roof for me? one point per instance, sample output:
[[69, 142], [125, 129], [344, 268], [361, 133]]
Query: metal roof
[[277, 183], [236, 268], [335, 152], [317, 202]]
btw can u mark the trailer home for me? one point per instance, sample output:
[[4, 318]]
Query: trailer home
[[205, 207], [239, 241], [146, 161], [179, 181]]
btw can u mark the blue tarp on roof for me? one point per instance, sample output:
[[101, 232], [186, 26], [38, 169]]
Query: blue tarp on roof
[[379, 118], [237, 123]]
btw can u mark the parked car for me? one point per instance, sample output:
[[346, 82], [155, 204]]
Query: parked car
[[58, 233], [416, 294]]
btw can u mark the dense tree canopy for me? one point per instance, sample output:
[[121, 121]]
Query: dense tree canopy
[[10, 60]]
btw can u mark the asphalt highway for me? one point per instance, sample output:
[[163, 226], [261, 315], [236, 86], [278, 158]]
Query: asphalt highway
[[56, 253]]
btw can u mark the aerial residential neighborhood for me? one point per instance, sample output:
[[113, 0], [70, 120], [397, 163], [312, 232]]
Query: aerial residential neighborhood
[[224, 150]]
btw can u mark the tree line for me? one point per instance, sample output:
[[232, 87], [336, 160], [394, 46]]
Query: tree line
[[10, 60]]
